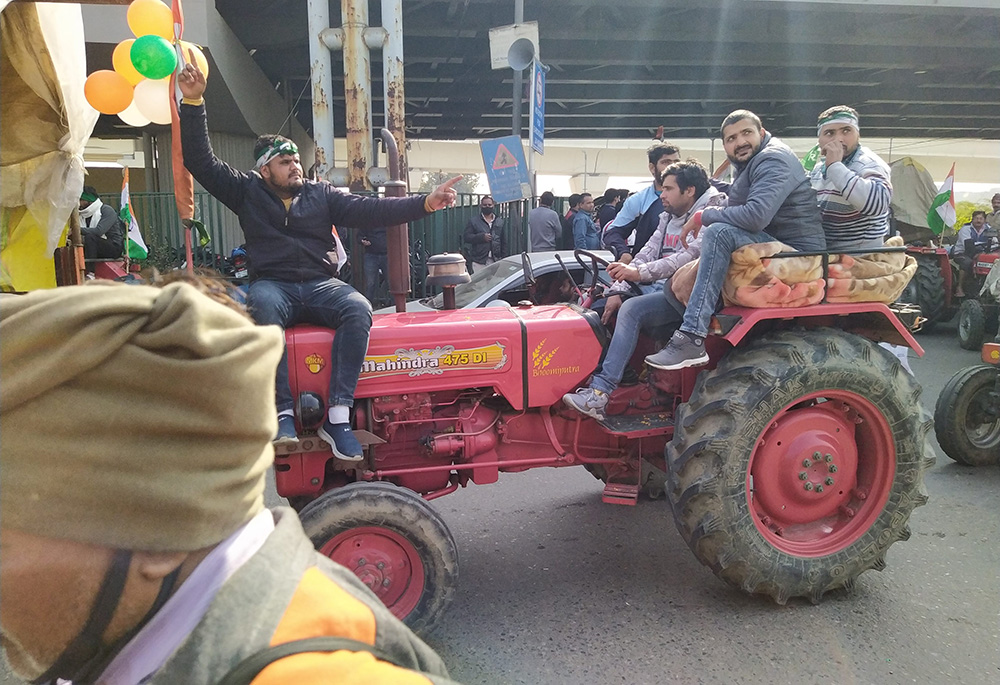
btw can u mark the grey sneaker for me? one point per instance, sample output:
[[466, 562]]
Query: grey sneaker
[[587, 401], [683, 350]]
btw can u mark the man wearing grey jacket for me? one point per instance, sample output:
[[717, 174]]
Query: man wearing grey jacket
[[770, 199]]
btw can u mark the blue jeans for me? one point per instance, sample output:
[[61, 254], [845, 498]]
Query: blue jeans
[[329, 303], [718, 243], [376, 270], [636, 313]]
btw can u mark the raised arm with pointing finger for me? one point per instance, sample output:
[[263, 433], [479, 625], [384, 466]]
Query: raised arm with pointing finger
[[287, 221]]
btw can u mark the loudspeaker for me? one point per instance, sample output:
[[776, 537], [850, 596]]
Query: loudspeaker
[[520, 54]]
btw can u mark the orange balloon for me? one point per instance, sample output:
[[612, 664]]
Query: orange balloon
[[122, 62], [199, 56], [150, 17], [107, 91]]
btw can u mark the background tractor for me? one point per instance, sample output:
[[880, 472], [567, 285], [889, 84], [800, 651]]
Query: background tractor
[[967, 413]]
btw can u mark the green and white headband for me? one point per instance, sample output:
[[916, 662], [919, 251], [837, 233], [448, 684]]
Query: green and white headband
[[278, 148], [839, 118]]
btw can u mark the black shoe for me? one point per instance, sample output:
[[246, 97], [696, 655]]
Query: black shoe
[[286, 430]]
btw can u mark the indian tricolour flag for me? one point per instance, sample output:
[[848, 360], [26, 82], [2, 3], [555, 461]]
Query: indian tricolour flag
[[136, 245], [942, 211]]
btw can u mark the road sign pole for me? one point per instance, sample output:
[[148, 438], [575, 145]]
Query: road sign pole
[[518, 81]]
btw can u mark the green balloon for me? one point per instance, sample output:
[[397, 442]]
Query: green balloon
[[153, 56]]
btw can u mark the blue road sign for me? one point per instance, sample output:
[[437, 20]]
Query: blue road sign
[[538, 107], [506, 168]]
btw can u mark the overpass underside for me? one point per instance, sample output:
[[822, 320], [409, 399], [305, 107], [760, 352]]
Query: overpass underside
[[919, 69]]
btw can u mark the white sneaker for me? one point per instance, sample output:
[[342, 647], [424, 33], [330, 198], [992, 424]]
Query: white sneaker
[[588, 401]]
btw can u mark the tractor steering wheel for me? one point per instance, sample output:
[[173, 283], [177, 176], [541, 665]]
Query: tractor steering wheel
[[591, 269]]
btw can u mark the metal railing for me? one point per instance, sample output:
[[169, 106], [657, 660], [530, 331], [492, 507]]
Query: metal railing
[[442, 231]]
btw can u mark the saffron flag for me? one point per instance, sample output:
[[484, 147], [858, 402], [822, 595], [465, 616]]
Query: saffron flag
[[942, 211], [136, 245]]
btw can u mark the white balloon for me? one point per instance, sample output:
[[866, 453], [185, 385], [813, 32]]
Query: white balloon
[[132, 116], [152, 99]]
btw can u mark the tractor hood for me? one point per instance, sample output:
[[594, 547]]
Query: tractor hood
[[529, 355]]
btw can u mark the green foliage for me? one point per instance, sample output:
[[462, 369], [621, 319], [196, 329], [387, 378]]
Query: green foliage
[[432, 179], [964, 210], [161, 256]]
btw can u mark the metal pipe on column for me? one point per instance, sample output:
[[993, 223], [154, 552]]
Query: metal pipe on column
[[357, 92], [398, 236], [392, 77], [322, 85]]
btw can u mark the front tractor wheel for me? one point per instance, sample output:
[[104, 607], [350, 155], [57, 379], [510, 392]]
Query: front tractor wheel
[[966, 422], [971, 325], [797, 462], [394, 541]]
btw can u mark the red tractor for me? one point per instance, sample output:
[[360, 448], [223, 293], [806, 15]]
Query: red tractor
[[933, 285], [932, 289], [792, 462], [980, 312], [967, 414]]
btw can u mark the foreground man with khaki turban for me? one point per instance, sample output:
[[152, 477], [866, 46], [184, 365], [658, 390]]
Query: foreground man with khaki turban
[[134, 543]]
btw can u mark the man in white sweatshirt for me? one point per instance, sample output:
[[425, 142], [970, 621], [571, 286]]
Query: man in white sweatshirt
[[685, 190]]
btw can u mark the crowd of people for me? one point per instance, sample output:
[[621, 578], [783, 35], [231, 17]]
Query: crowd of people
[[842, 204], [143, 568]]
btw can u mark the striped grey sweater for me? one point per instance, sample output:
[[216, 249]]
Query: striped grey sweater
[[854, 198]]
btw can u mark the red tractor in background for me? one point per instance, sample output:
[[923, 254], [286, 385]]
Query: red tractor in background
[[791, 462], [980, 311], [967, 414], [932, 289], [933, 285]]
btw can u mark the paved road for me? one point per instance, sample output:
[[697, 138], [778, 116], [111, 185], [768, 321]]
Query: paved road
[[557, 587]]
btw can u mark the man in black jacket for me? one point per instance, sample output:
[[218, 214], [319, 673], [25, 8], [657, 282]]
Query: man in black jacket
[[484, 235], [288, 223]]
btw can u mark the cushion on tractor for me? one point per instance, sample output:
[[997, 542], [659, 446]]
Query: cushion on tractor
[[756, 280]]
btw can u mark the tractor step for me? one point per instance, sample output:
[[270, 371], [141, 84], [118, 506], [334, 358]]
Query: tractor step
[[621, 493], [638, 425], [312, 443]]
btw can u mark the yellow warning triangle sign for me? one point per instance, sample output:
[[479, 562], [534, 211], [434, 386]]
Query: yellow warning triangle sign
[[504, 159]]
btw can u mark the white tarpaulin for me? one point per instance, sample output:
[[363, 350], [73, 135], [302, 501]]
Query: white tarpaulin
[[913, 191], [45, 120]]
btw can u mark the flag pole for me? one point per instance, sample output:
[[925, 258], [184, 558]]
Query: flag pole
[[183, 181]]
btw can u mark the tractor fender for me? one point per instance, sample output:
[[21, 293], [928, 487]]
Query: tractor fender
[[872, 320]]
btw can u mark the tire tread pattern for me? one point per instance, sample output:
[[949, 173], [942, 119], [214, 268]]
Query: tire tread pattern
[[707, 467]]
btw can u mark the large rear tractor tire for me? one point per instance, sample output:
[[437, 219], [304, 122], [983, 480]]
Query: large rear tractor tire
[[797, 461], [926, 290], [966, 429], [971, 325], [394, 541]]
